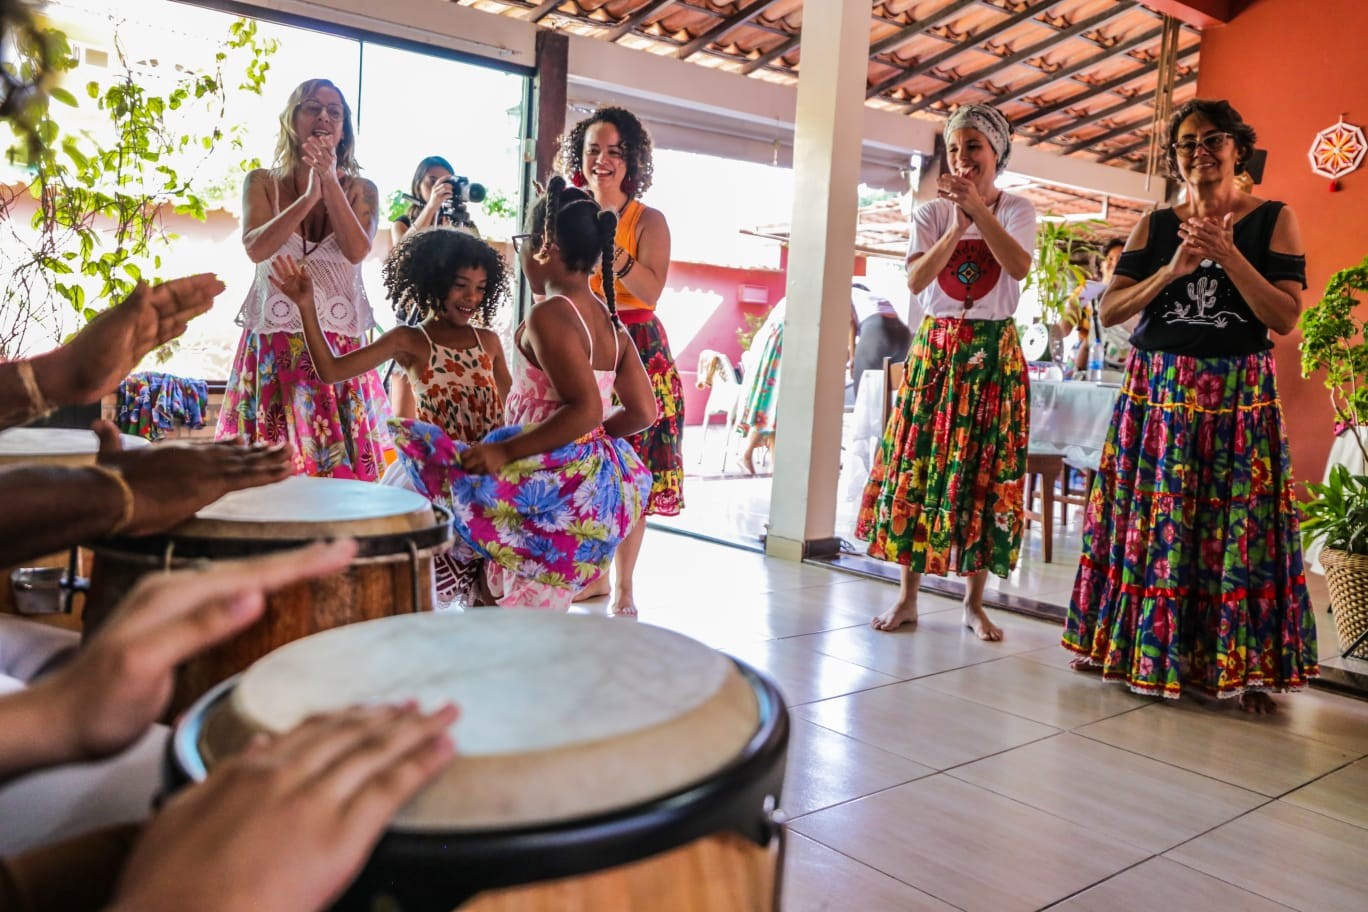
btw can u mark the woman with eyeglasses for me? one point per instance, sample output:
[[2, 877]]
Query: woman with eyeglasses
[[313, 206], [1191, 573]]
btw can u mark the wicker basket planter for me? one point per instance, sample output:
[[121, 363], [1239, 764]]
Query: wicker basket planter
[[1347, 576]]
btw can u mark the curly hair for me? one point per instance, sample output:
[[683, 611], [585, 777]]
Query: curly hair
[[288, 145], [421, 270], [636, 149], [581, 234], [1221, 116]]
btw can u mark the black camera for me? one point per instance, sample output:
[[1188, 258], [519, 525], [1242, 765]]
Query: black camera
[[453, 211]]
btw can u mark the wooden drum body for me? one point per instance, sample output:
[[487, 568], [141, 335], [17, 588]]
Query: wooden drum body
[[601, 764], [397, 534], [62, 447]]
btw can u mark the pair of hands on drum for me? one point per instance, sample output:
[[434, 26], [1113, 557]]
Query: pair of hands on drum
[[287, 825], [171, 482]]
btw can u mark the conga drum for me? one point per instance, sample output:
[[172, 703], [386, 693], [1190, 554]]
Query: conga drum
[[42, 590], [600, 764], [397, 534]]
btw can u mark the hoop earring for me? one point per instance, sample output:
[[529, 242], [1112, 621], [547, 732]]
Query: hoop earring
[[578, 179]]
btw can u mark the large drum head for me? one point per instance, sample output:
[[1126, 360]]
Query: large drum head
[[562, 716], [55, 446], [307, 508]]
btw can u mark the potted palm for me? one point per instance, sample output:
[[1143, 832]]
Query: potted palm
[[1334, 341], [1057, 276]]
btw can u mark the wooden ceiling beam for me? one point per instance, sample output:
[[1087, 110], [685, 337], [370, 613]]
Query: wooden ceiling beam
[[1108, 134], [1095, 90], [1056, 76], [1039, 47], [912, 30], [719, 31], [936, 60], [1103, 114], [640, 15], [1125, 150]]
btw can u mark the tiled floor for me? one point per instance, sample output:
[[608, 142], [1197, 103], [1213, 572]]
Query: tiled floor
[[928, 770]]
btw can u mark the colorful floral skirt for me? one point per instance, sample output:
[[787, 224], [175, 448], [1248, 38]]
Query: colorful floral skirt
[[547, 525], [1191, 572], [945, 491], [660, 445], [760, 391], [274, 396]]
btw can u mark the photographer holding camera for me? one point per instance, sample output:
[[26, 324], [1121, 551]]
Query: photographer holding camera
[[438, 197]]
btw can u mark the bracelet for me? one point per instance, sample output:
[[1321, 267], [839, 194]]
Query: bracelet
[[38, 406], [631, 261], [126, 519]]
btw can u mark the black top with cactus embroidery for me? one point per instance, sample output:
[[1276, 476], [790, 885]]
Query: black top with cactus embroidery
[[1202, 313]]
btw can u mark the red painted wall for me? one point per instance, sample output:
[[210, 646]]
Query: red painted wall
[[1291, 69], [718, 332]]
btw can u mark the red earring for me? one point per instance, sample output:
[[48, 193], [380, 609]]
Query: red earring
[[578, 179]]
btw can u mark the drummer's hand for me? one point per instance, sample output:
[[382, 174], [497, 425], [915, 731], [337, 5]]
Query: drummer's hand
[[288, 824], [484, 458], [102, 354], [171, 482], [120, 680]]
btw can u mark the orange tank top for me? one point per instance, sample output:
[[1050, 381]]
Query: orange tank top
[[626, 238]]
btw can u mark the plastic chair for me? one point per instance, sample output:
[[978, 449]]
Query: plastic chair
[[718, 376]]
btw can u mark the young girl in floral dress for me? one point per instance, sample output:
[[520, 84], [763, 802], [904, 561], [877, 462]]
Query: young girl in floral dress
[[548, 499], [456, 371]]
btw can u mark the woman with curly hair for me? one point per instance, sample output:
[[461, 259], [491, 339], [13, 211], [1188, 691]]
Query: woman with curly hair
[[609, 155], [314, 206], [1191, 575], [457, 376]]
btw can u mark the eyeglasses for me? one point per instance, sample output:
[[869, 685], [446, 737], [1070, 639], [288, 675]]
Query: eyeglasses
[[517, 240], [1212, 142], [313, 109]]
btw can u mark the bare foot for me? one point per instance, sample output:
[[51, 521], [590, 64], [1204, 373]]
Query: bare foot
[[901, 613], [976, 619], [1258, 703], [1084, 664], [597, 589], [748, 462], [623, 606]]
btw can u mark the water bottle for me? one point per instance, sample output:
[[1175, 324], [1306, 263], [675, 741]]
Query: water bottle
[[1097, 350]]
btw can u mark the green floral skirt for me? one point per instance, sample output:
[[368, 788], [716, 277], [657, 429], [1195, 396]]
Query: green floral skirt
[[945, 491]]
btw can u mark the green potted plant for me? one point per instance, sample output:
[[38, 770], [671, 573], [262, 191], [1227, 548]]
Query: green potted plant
[[1056, 275], [1335, 341]]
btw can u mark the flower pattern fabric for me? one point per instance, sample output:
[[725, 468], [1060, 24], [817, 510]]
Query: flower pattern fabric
[[1191, 572], [274, 395], [945, 492], [760, 391], [661, 445]]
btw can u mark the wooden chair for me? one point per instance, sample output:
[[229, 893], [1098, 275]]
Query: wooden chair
[[1068, 497], [892, 379], [1042, 474]]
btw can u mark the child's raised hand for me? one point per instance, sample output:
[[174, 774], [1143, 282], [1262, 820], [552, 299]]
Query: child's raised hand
[[292, 279], [484, 458]]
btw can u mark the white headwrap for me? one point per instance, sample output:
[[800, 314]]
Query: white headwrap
[[988, 121]]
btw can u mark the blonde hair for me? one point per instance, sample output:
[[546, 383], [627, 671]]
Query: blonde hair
[[287, 146]]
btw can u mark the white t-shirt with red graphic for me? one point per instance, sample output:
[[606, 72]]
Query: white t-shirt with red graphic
[[972, 273]]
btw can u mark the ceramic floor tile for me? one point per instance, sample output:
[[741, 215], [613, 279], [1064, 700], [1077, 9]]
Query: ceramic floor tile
[[968, 846], [805, 675], [939, 643], [1062, 698], [816, 879], [1055, 656], [1261, 759], [826, 768], [1328, 718], [1163, 884], [924, 725], [1343, 795], [1287, 854], [812, 609], [1131, 798]]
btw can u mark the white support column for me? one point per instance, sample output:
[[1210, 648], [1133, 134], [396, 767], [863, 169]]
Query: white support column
[[830, 116]]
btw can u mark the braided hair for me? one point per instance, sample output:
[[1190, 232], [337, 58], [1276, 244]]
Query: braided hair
[[421, 270], [580, 232]]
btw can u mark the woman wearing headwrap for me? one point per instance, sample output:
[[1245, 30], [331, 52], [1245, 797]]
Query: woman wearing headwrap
[[945, 493]]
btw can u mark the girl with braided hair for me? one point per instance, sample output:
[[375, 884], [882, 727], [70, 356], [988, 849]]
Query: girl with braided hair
[[548, 499], [609, 155]]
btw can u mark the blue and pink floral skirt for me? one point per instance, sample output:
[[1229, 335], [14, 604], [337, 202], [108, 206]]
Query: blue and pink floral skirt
[[1191, 572]]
